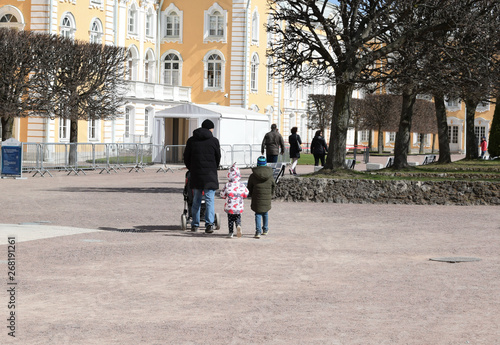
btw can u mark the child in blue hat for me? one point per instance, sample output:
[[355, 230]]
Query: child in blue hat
[[261, 186]]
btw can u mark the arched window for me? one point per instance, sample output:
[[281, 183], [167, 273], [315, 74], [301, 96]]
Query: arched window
[[96, 31], [214, 71], [269, 76], [172, 69], [11, 17], [215, 24], [149, 67], [132, 20], [68, 26], [172, 24], [150, 23], [131, 64], [254, 73], [255, 27]]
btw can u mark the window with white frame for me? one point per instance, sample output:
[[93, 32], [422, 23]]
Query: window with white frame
[[269, 77], [128, 121], [131, 64], [150, 23], [9, 20], [255, 27], [147, 121], [149, 67], [68, 27], [479, 131], [215, 24], [254, 73], [269, 33], [452, 102], [453, 134], [172, 69], [364, 135], [214, 71], [391, 137], [93, 129], [132, 20], [171, 24], [64, 125], [483, 106], [96, 31]]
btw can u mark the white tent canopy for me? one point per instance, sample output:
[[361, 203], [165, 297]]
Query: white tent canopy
[[236, 128], [190, 110]]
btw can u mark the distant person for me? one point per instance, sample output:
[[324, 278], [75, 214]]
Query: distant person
[[273, 144], [484, 147], [261, 187], [295, 148], [202, 157], [234, 192], [319, 148]]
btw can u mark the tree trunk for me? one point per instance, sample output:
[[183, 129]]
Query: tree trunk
[[442, 125], [421, 148], [73, 139], [472, 143], [380, 140], [402, 143], [7, 127], [340, 123]]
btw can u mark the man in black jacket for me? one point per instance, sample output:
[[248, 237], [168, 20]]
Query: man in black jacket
[[202, 157]]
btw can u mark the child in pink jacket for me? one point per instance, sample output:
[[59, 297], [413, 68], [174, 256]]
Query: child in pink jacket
[[234, 192]]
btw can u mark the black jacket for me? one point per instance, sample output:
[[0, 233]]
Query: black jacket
[[318, 145], [202, 158], [295, 142]]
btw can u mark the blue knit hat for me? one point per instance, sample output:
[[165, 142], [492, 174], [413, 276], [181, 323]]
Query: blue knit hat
[[261, 161]]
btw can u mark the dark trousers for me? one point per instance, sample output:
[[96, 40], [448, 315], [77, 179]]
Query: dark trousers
[[317, 158], [231, 219], [272, 158]]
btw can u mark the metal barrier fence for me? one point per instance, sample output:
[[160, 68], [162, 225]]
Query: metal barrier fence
[[76, 158]]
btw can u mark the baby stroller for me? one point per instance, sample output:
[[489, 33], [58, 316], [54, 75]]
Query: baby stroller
[[186, 216]]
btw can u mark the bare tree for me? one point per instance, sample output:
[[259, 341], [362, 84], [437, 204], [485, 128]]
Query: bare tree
[[381, 112], [424, 120], [320, 110], [22, 59], [317, 40], [88, 84]]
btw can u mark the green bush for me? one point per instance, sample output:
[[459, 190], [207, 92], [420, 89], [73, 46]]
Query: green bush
[[494, 140]]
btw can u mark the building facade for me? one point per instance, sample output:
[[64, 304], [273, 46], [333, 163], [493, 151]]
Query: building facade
[[213, 52]]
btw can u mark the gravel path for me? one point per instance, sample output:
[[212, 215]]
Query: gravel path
[[326, 273]]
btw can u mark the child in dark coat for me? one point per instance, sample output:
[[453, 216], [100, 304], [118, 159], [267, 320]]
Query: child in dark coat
[[261, 187]]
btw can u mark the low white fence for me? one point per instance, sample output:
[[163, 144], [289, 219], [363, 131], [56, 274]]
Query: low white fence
[[80, 157]]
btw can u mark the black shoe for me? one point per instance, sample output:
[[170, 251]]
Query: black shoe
[[194, 229], [209, 229]]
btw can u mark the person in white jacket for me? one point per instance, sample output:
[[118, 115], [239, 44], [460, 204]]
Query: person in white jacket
[[234, 192]]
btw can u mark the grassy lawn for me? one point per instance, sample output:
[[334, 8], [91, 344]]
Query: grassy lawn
[[461, 170]]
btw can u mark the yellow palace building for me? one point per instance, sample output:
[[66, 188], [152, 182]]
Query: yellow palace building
[[178, 52]]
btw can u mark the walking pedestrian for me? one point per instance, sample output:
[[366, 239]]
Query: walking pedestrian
[[484, 147], [273, 144], [295, 148], [319, 148], [234, 192], [202, 157], [261, 187]]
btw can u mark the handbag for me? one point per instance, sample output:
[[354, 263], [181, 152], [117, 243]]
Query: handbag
[[299, 148]]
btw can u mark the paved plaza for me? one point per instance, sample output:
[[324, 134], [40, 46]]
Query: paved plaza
[[101, 259]]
